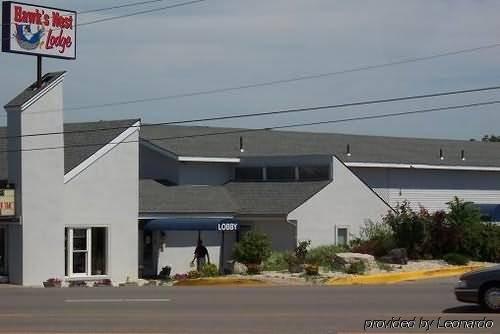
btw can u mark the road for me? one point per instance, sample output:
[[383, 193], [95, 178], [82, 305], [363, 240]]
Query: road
[[229, 309]]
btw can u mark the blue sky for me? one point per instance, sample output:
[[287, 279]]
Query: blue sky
[[221, 43]]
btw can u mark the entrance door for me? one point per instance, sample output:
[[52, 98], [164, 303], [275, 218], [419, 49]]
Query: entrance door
[[3, 254]]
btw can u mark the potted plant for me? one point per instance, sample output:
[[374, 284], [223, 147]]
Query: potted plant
[[254, 248], [297, 258], [52, 283]]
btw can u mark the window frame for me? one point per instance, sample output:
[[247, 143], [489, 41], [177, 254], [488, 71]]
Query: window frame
[[239, 179], [292, 169], [339, 227], [321, 178], [70, 250]]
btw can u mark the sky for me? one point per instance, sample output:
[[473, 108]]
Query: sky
[[225, 43]]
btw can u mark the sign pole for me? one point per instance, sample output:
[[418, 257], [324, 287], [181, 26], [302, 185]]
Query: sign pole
[[39, 71]]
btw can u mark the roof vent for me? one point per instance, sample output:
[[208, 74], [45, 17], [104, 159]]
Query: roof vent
[[462, 155], [242, 149], [441, 156], [348, 150]]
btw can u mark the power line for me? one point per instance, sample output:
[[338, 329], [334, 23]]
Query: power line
[[282, 81], [133, 4], [181, 4], [293, 125], [141, 12], [280, 112]]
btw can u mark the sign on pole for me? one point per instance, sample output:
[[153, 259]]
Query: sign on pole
[[38, 31]]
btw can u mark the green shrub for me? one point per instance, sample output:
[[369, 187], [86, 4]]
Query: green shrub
[[193, 274], [277, 261], [323, 255], [377, 239], [456, 259], [302, 249], [384, 266], [254, 248], [209, 270], [356, 268]]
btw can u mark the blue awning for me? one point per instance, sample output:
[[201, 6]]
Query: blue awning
[[192, 224]]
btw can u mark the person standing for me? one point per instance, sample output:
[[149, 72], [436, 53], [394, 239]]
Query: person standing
[[200, 255]]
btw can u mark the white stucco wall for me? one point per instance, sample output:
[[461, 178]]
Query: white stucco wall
[[35, 246], [106, 194], [432, 188], [178, 249], [346, 201]]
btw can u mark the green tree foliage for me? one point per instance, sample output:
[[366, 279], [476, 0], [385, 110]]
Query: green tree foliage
[[409, 228], [254, 248], [491, 138], [459, 231]]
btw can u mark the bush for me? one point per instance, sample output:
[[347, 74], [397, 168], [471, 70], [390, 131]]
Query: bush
[[277, 261], [384, 266], [193, 274], [209, 270], [323, 255], [377, 239], [456, 259], [165, 272], [356, 268], [254, 248]]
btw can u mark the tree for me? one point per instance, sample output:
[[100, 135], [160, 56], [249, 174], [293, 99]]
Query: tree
[[490, 138]]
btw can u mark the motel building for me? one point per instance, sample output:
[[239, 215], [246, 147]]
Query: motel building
[[117, 200]]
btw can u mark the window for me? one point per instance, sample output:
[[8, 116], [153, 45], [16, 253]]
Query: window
[[248, 174], [86, 251], [314, 173], [280, 173], [342, 236]]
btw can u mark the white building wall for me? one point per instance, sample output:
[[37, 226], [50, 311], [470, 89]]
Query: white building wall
[[345, 202], [432, 188], [35, 246], [106, 194], [177, 249]]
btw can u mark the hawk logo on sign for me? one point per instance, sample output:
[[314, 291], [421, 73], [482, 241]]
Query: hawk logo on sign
[[41, 31]]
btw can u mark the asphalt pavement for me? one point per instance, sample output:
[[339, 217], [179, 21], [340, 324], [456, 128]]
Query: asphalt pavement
[[205, 310]]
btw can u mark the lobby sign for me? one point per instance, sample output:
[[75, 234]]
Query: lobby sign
[[227, 227], [39, 31], [7, 203]]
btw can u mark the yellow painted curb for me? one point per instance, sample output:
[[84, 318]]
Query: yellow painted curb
[[397, 277], [221, 281]]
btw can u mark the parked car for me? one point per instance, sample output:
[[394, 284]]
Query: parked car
[[480, 287]]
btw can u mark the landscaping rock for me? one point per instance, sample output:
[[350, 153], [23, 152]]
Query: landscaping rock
[[396, 256], [345, 260], [239, 268]]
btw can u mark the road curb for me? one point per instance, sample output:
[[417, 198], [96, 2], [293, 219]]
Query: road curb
[[222, 281], [391, 278]]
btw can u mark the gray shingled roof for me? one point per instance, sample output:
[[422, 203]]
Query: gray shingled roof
[[363, 148], [155, 197], [272, 197], [79, 145], [255, 198]]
